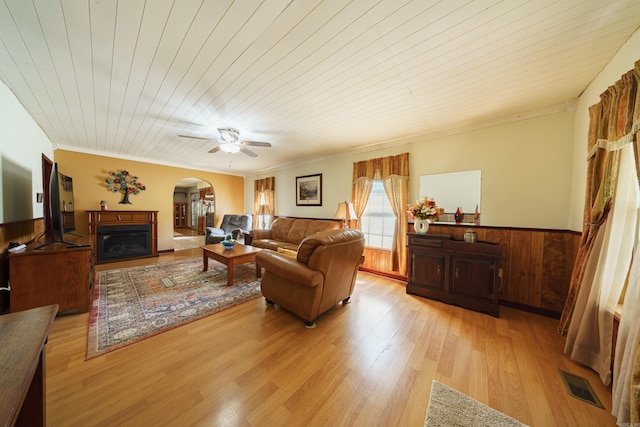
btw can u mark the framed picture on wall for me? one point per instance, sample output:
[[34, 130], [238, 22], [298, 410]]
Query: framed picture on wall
[[309, 190]]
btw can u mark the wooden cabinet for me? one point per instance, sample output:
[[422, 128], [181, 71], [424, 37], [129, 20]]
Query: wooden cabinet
[[56, 274], [429, 270], [180, 215], [455, 272]]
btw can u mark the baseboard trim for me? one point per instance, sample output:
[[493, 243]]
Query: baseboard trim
[[535, 310], [383, 274]]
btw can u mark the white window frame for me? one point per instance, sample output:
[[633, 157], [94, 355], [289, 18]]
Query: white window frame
[[378, 226]]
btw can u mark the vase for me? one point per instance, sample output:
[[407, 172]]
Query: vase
[[470, 236], [125, 199], [421, 225], [458, 216]]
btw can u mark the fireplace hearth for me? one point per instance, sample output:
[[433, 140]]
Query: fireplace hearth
[[123, 241]]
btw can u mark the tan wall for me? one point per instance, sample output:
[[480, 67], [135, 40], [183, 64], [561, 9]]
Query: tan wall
[[526, 171], [90, 171]]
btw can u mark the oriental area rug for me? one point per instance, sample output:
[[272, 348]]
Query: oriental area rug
[[451, 408], [131, 304]]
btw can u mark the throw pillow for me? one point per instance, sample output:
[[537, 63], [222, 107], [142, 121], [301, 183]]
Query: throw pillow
[[288, 253]]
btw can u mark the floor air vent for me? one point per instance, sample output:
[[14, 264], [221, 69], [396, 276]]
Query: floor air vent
[[580, 388]]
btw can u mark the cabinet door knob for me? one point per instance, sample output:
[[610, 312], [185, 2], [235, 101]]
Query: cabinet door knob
[[438, 270], [456, 272]]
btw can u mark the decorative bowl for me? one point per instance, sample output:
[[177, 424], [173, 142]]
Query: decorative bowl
[[228, 244]]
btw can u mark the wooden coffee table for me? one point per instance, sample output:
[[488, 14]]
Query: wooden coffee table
[[239, 254]]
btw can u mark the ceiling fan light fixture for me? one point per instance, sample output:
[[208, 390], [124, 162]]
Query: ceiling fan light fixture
[[229, 147], [229, 134]]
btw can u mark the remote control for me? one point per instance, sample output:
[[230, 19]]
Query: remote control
[[18, 248]]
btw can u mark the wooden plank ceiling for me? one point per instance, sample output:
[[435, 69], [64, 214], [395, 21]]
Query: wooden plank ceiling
[[313, 78]]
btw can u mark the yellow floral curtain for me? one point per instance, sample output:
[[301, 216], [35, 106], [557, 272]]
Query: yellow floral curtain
[[600, 183], [631, 314], [393, 171], [587, 316]]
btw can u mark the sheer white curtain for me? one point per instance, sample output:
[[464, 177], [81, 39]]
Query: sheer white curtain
[[590, 332], [629, 329]]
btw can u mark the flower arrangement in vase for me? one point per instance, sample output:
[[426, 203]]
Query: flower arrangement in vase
[[125, 183], [423, 211]]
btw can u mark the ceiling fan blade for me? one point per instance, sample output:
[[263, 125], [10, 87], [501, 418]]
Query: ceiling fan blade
[[195, 137], [247, 151], [215, 149], [255, 143]]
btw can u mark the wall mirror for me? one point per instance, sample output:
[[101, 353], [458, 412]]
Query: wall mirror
[[453, 190]]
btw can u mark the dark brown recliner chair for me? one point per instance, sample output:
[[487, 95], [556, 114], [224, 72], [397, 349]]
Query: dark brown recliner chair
[[322, 273]]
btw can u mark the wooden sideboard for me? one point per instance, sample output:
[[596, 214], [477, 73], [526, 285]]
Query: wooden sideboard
[[536, 263], [55, 274], [454, 271], [22, 362]]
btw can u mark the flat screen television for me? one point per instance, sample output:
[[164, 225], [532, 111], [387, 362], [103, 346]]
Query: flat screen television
[[61, 207]]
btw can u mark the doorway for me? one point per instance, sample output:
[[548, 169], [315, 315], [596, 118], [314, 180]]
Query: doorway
[[194, 207]]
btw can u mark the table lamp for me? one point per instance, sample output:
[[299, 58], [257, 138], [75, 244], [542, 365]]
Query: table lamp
[[346, 213]]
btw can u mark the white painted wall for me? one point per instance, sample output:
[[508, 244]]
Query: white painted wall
[[622, 62], [21, 149]]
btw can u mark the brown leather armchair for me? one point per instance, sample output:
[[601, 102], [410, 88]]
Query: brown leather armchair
[[322, 274]]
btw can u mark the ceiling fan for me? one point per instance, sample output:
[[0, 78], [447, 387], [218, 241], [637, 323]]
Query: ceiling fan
[[230, 142]]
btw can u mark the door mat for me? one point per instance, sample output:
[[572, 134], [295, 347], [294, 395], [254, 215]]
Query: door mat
[[580, 388], [450, 408]]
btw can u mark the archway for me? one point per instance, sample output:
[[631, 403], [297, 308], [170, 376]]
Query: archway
[[193, 211]]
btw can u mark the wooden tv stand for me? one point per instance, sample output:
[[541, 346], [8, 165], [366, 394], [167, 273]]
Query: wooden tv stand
[[55, 274]]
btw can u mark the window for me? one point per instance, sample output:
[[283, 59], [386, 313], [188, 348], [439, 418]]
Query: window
[[378, 222]]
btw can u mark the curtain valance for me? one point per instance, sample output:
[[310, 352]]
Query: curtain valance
[[382, 168]]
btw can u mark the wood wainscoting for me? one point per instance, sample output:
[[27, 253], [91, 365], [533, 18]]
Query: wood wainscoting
[[379, 261], [20, 232], [536, 264]]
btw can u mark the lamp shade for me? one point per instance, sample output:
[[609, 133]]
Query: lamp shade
[[345, 211]]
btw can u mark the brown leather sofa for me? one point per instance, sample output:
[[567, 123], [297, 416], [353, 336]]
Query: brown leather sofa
[[287, 233], [322, 273]]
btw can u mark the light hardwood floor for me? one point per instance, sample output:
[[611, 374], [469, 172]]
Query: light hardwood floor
[[368, 363]]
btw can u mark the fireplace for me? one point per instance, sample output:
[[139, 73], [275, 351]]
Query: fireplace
[[123, 241], [118, 235]]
